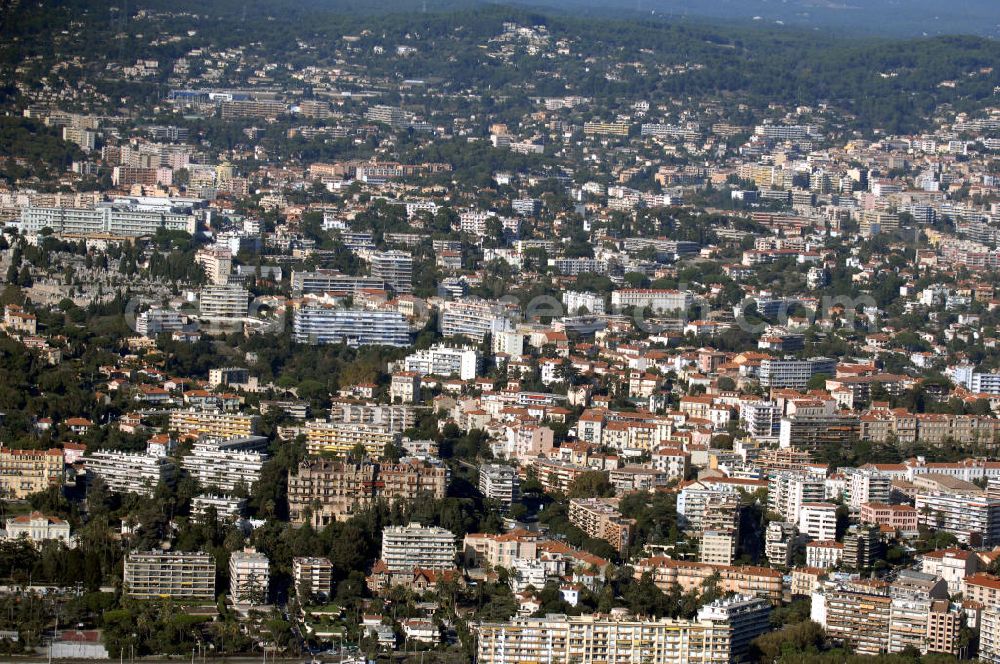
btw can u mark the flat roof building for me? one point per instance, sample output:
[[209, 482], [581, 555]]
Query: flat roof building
[[175, 574]]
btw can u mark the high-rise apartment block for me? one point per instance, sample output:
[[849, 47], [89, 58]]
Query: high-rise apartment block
[[395, 268], [312, 576], [476, 318], [600, 518], [249, 577], [213, 424], [341, 438], [441, 360], [176, 574], [354, 327], [131, 472], [718, 636], [226, 464], [499, 482], [414, 545], [795, 374], [223, 302]]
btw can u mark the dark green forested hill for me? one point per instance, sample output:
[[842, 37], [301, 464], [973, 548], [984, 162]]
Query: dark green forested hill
[[877, 83]]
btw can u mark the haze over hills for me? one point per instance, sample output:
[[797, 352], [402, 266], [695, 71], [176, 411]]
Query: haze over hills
[[891, 17], [848, 17]]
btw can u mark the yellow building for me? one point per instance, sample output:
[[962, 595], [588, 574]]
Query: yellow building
[[24, 472], [340, 438], [213, 424], [606, 128]]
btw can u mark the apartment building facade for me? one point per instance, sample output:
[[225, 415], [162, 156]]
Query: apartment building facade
[[499, 482], [327, 490], [174, 574], [441, 360], [249, 577], [476, 318], [395, 268], [122, 223], [355, 327], [312, 576], [223, 302], [131, 472], [415, 546], [856, 615], [719, 634], [600, 518], [973, 519], [662, 300], [24, 472], [331, 281], [227, 464], [213, 424], [795, 374], [687, 575], [340, 438]]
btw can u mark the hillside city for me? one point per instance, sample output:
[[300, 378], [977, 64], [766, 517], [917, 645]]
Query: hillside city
[[494, 336]]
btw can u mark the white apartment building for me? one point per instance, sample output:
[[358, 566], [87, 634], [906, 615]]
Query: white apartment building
[[575, 301], [414, 545], [989, 635], [747, 617], [324, 281], [152, 322], [824, 554], [394, 417], [985, 383], [718, 547], [395, 268], [864, 485], [818, 520], [973, 519], [226, 507], [85, 138], [222, 376], [794, 373], [615, 639], [128, 472], [226, 464], [342, 438], [656, 299], [476, 318], [951, 565], [761, 419], [441, 360], [217, 263], [780, 540], [213, 424], [691, 505], [249, 577], [474, 222], [223, 302], [508, 343], [123, 223], [788, 490], [499, 482], [786, 132], [355, 327]]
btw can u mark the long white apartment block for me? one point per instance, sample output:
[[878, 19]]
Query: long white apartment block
[[130, 472]]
